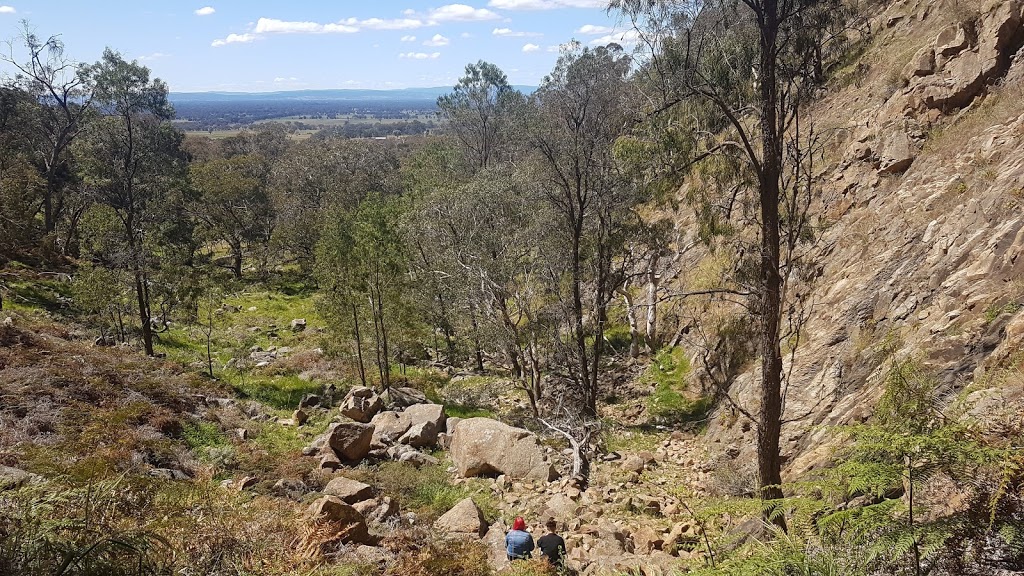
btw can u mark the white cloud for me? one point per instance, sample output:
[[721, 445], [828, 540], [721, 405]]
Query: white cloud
[[460, 13], [466, 35], [151, 57], [553, 48], [408, 38], [234, 39], [530, 48], [275, 26], [385, 24], [592, 30], [412, 20], [205, 11], [420, 55], [546, 4], [280, 79], [7, 10], [509, 33], [627, 38], [437, 40]]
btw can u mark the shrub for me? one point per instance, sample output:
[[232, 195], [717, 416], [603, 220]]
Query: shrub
[[421, 552]]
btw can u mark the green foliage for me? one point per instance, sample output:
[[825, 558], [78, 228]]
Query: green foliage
[[201, 434], [281, 392], [427, 490], [668, 373], [136, 526]]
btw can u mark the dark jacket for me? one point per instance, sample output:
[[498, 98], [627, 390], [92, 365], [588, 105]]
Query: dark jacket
[[518, 544], [552, 546]]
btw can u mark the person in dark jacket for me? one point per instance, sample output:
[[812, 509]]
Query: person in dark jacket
[[551, 545], [518, 542]]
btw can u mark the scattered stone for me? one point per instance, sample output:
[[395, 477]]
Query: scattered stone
[[425, 423], [292, 488], [385, 510], [418, 459], [332, 509], [330, 461], [465, 518], [350, 440], [350, 491], [299, 417], [405, 397], [633, 463], [168, 474], [561, 507], [298, 325], [242, 434], [309, 401], [897, 154], [923, 63], [247, 482], [361, 404], [387, 428], [647, 540], [14, 478]]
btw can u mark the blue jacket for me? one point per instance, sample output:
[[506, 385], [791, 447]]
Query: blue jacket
[[518, 544]]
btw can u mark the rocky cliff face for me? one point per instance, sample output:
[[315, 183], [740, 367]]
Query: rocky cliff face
[[923, 208]]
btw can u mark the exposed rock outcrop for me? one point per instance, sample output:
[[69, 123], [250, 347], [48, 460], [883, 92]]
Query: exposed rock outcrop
[[482, 447]]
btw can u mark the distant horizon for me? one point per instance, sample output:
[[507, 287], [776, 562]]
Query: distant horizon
[[302, 90], [261, 46]]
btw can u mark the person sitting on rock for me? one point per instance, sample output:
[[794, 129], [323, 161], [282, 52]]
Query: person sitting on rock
[[518, 542], [551, 545]]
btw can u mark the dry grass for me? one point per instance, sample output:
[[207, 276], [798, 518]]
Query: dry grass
[[1000, 107]]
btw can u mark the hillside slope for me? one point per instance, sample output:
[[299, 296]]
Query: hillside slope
[[922, 233]]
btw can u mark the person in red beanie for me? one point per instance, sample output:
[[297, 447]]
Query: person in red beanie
[[518, 542]]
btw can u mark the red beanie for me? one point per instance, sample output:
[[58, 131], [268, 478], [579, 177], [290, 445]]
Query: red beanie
[[519, 523]]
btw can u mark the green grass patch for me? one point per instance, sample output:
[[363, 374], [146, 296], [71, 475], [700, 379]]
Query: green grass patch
[[38, 294], [633, 439], [463, 411], [279, 440], [671, 401], [200, 434], [281, 392]]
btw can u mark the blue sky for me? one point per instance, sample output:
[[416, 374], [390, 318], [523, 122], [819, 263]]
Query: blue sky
[[262, 45]]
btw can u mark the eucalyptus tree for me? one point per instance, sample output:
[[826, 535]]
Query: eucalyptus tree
[[481, 111], [20, 183], [578, 113], [232, 205], [63, 89], [362, 268], [312, 179], [132, 160], [487, 237], [730, 80]]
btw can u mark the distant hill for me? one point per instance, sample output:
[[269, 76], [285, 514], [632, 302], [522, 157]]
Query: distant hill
[[347, 95]]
